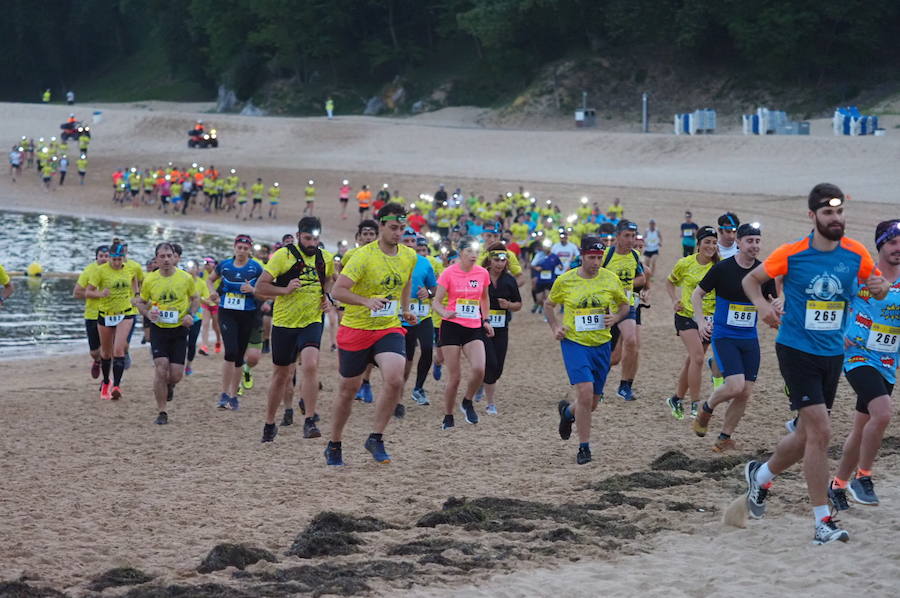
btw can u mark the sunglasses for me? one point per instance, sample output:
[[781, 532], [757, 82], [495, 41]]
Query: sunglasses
[[246, 240]]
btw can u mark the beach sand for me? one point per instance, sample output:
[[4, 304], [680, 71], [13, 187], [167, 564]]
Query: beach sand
[[90, 485]]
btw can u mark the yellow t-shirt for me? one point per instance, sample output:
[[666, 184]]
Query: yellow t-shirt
[[120, 292], [519, 231], [257, 190], [624, 266], [686, 274], [4, 277], [616, 210], [91, 305], [376, 274], [586, 301], [172, 294], [304, 306], [512, 262], [135, 269]]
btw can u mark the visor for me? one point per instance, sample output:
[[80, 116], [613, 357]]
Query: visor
[[243, 239]]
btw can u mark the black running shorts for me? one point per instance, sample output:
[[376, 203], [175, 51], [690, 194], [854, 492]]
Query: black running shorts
[[868, 384], [169, 343], [808, 379]]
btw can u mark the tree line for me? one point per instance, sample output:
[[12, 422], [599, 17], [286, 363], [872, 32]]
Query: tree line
[[347, 43]]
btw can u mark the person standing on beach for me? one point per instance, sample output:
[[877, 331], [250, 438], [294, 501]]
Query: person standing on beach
[[82, 164], [300, 277], [329, 108], [169, 300], [91, 307], [871, 340], [309, 195], [688, 230], [375, 288], [819, 274], [652, 245], [256, 190], [274, 198], [344, 197], [63, 169], [593, 300]]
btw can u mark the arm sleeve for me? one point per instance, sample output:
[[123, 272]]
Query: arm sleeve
[[275, 266], [777, 263], [444, 279], [352, 269], [430, 280], [675, 275]]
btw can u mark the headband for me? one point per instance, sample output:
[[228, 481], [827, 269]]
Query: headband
[[892, 231]]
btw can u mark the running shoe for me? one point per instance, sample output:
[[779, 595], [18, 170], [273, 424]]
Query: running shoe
[[333, 347], [701, 423], [247, 381], [491, 410], [723, 445], [827, 531], [170, 392], [188, 370], [104, 391], [203, 350], [218, 347], [333, 455], [302, 406], [469, 410], [234, 404], [791, 425], [267, 348], [695, 406], [310, 430], [756, 494], [95, 370], [365, 393], [838, 498], [127, 360], [676, 407], [862, 490], [288, 418], [448, 422], [223, 401], [399, 411], [376, 447], [717, 381], [565, 422], [162, 419], [436, 372], [270, 431], [479, 394], [240, 392], [626, 393], [115, 393], [584, 455], [419, 396]]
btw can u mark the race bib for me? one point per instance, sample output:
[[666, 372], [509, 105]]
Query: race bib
[[687, 233], [113, 320], [589, 318], [824, 315], [546, 275], [497, 318], [421, 310], [389, 309], [468, 309], [742, 316], [883, 339], [234, 301], [169, 316]]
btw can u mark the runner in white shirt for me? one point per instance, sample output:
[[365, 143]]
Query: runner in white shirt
[[565, 251], [652, 245], [728, 225]]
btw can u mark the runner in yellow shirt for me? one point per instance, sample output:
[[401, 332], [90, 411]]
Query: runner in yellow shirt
[[491, 235], [593, 300], [375, 287], [309, 194], [300, 277], [169, 300], [256, 191], [91, 307]]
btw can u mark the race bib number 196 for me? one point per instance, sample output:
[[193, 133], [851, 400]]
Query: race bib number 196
[[589, 318], [824, 315]]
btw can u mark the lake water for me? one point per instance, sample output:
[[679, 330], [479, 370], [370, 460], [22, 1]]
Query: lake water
[[42, 316]]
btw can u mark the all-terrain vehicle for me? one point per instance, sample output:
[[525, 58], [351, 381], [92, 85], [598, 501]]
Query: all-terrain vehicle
[[74, 130], [201, 137]]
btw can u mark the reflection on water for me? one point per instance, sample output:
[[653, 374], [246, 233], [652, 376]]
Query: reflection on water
[[66, 244], [42, 316]]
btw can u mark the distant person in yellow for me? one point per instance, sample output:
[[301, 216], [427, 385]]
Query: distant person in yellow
[[82, 164], [45, 98], [375, 288], [7, 285], [309, 194], [169, 300], [91, 307], [615, 209], [300, 277], [329, 108], [274, 198], [256, 191]]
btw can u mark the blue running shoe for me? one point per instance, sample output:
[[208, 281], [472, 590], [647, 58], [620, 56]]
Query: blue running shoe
[[469, 410], [333, 455], [436, 372], [626, 393], [233, 404], [376, 447], [565, 422], [223, 401], [479, 394], [366, 390]]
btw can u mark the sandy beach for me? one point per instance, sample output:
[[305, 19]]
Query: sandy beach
[[88, 485]]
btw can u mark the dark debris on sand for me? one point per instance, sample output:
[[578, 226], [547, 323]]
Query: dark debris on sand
[[331, 534], [678, 461], [118, 577], [640, 480], [20, 589], [207, 590], [345, 579], [233, 555]]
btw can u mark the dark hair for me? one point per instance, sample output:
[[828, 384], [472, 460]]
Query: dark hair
[[178, 249], [391, 209], [494, 247], [747, 229], [823, 192], [101, 249], [625, 225], [366, 224], [166, 245], [289, 235], [729, 220], [308, 224], [885, 231]]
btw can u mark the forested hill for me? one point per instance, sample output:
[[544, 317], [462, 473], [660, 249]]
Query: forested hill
[[490, 49]]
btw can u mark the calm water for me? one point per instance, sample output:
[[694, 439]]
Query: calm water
[[42, 316]]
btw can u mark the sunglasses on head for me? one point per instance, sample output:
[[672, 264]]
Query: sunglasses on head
[[246, 240]]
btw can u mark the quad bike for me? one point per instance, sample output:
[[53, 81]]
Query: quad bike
[[74, 130], [202, 138]]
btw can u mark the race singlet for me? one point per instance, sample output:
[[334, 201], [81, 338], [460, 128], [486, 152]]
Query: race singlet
[[389, 309], [589, 318], [883, 339], [468, 309], [497, 318], [824, 315], [169, 316], [742, 316], [234, 301]]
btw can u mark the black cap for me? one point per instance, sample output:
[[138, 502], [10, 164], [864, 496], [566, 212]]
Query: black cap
[[624, 225], [706, 231], [729, 221]]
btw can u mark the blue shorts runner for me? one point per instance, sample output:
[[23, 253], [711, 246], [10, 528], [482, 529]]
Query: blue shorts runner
[[586, 364], [737, 356]]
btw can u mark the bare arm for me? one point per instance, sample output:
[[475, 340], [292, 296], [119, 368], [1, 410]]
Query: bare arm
[[93, 292], [78, 291], [559, 331], [265, 288], [752, 284], [341, 292], [611, 320], [697, 304]]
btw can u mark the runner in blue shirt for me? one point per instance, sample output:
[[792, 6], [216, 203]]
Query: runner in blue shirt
[[872, 338], [422, 333]]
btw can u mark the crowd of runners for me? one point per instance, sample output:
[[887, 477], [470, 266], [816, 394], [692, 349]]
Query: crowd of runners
[[444, 274], [50, 157]]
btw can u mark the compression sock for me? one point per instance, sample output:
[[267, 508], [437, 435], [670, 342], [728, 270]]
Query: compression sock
[[839, 483], [104, 366], [118, 368], [584, 445], [861, 473], [569, 413]]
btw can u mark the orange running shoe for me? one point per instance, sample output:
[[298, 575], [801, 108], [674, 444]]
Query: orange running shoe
[[218, 347], [116, 393], [104, 391], [203, 350]]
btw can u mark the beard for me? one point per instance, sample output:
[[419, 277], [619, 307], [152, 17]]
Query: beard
[[831, 233], [308, 250]]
